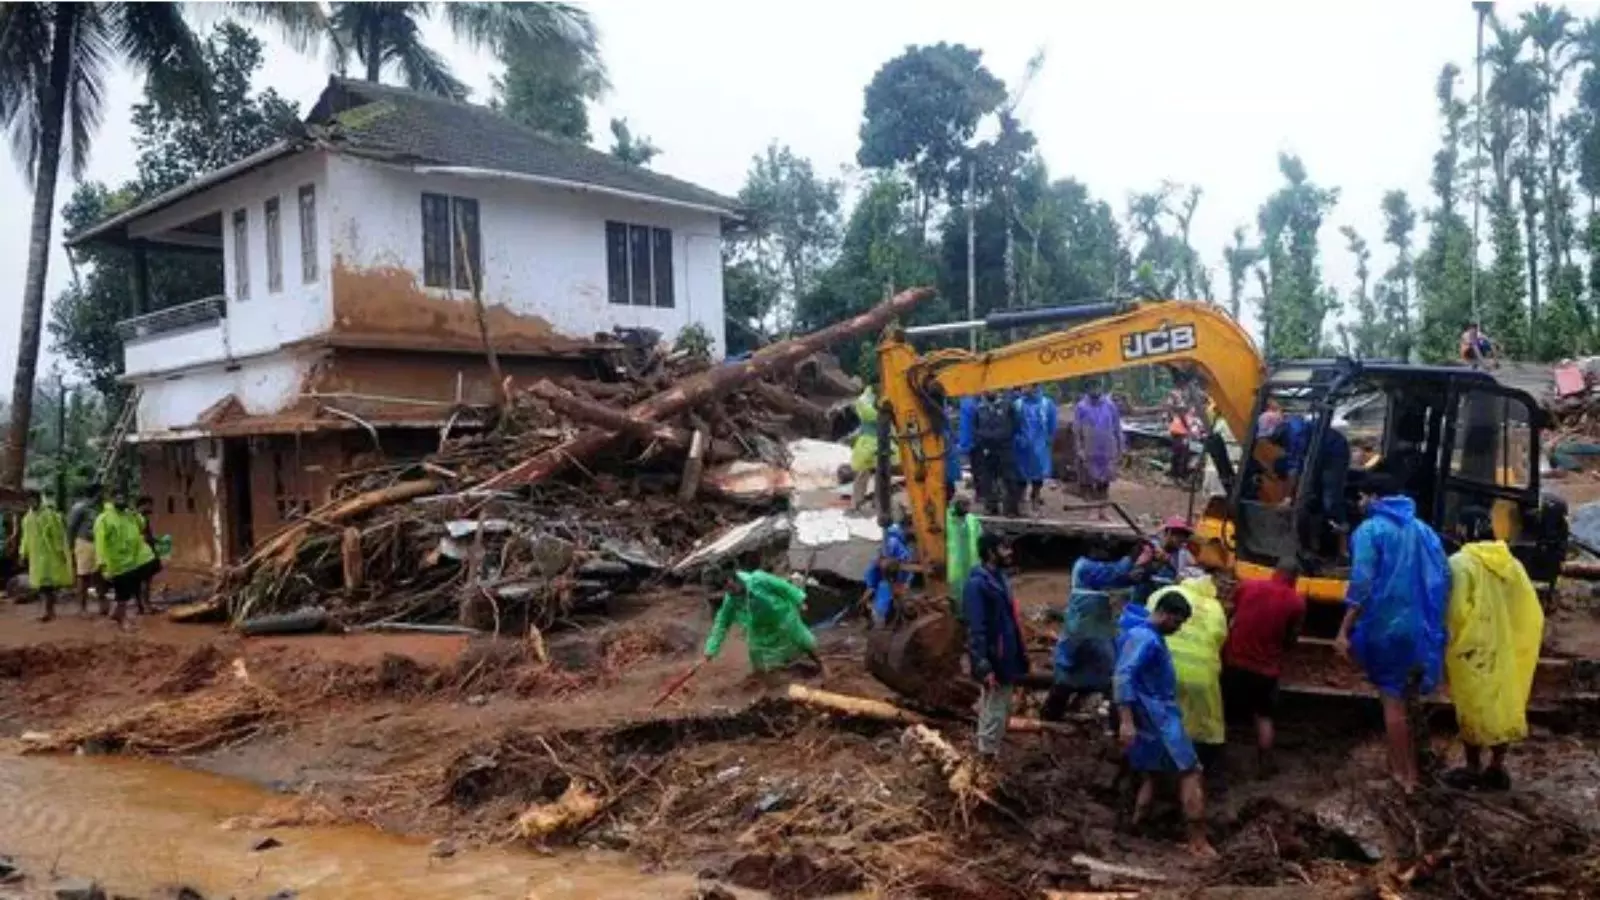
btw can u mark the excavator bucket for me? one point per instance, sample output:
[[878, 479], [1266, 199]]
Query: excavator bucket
[[920, 660]]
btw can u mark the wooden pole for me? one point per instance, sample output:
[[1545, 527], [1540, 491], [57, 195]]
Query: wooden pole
[[466, 260], [693, 467]]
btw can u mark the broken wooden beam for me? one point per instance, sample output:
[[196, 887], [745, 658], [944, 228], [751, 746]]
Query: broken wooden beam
[[613, 419], [791, 403], [845, 704], [705, 387], [1583, 571], [283, 545], [693, 467]]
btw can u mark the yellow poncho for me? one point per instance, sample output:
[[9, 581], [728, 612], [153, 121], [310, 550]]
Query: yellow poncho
[[1495, 627], [1197, 657], [864, 451], [119, 542], [44, 548]]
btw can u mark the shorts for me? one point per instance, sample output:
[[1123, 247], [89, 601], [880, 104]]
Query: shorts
[[84, 562], [1249, 693], [126, 586]]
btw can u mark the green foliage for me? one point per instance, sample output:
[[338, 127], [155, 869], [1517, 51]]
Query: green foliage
[[1295, 302], [1366, 338], [1167, 263], [635, 150], [62, 452], [793, 229], [1239, 258], [1444, 270], [550, 91], [387, 38], [695, 341], [179, 137], [922, 108]]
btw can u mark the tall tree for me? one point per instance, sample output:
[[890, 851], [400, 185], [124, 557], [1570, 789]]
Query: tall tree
[[1297, 302], [1513, 87], [549, 89], [1444, 270], [1394, 303], [1364, 339], [179, 134], [387, 37], [54, 62], [922, 109], [1239, 258], [793, 230], [1547, 28]]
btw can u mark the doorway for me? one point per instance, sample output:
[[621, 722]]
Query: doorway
[[240, 517]]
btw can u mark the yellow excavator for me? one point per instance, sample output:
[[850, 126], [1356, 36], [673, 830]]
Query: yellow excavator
[[1456, 437]]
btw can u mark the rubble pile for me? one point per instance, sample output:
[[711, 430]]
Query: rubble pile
[[484, 532]]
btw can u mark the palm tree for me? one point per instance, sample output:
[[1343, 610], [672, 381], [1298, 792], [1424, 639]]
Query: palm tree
[[1549, 29], [388, 36], [54, 61], [1515, 87]]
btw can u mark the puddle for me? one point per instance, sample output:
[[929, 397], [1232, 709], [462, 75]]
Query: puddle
[[136, 825]]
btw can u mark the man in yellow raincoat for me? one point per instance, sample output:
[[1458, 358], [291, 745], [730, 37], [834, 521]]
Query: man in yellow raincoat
[[864, 450], [1495, 627], [126, 561], [768, 609], [1197, 658], [44, 549]]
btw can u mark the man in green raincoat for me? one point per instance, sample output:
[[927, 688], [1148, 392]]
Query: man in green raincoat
[[44, 549], [961, 530], [125, 559], [768, 609]]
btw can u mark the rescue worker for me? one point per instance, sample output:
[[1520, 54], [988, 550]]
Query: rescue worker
[[966, 441], [996, 462], [43, 548], [125, 559], [897, 538], [1181, 419], [1161, 559], [961, 531], [1333, 468], [1149, 721], [145, 511], [1085, 652], [1475, 347], [884, 589], [1196, 650], [952, 454], [1394, 611], [997, 653], [768, 609], [80, 532], [864, 449], [1267, 616], [1495, 626], [1097, 430], [1036, 434]]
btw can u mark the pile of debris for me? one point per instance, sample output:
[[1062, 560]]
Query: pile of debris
[[485, 534]]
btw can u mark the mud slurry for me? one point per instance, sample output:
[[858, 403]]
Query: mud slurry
[[492, 741]]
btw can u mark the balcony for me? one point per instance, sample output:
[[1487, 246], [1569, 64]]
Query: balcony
[[174, 337]]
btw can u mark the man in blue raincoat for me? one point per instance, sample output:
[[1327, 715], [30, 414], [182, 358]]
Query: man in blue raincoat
[[997, 651], [1150, 724], [966, 440], [1085, 655], [1036, 432], [1394, 611]]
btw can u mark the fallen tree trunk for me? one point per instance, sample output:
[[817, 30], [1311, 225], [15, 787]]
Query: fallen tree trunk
[[286, 542], [705, 387], [613, 419], [853, 706], [1583, 571], [791, 403]]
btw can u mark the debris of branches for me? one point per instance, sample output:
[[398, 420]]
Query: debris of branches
[[482, 533]]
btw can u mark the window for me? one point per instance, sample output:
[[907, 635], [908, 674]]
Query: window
[[308, 233], [241, 254], [447, 224], [639, 265], [274, 247]]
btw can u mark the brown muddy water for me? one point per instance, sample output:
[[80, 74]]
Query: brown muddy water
[[136, 825]]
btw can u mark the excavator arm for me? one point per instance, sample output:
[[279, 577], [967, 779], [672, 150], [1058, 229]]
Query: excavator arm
[[1196, 335]]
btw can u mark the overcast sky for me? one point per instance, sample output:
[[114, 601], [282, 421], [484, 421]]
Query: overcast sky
[[1131, 93]]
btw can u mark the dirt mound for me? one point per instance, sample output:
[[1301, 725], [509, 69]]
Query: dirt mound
[[171, 727], [627, 645], [195, 671], [36, 661]]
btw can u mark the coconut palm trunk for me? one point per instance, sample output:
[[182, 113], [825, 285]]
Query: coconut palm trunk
[[46, 165]]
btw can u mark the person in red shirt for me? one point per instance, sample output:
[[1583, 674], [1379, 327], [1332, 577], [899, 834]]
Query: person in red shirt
[[1266, 622]]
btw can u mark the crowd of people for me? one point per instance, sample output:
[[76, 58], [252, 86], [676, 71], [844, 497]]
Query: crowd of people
[[103, 547]]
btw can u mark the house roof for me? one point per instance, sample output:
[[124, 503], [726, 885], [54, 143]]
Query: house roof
[[404, 127], [398, 125]]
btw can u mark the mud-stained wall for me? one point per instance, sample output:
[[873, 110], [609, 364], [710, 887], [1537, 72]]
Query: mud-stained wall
[[434, 376], [290, 475], [174, 475], [263, 385], [544, 252]]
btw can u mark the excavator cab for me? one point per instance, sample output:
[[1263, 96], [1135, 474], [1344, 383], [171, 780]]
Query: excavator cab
[[1454, 437]]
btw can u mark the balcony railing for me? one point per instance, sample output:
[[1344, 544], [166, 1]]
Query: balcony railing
[[174, 318]]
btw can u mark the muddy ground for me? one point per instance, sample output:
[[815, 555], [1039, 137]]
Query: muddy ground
[[481, 742]]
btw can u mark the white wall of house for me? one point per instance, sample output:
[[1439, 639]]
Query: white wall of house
[[544, 248], [263, 385], [264, 319]]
